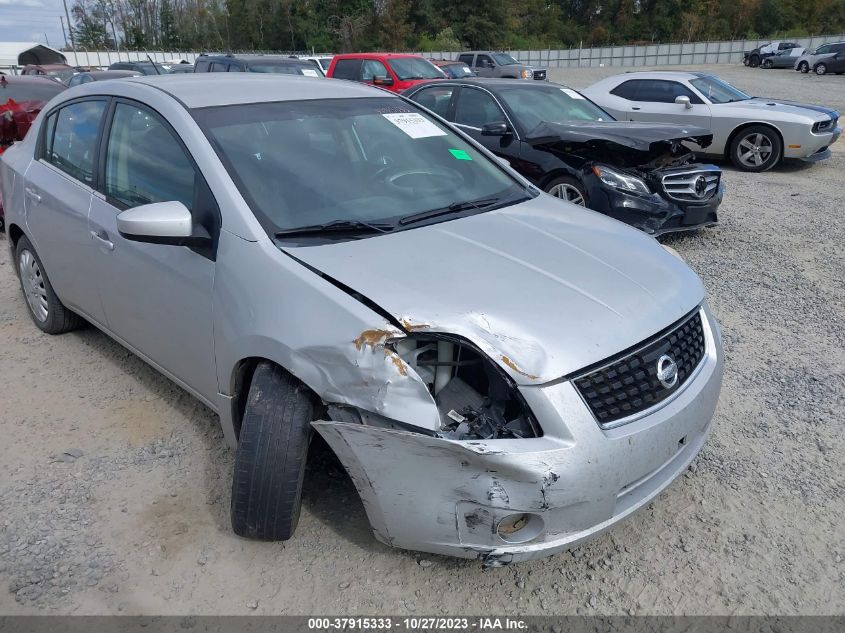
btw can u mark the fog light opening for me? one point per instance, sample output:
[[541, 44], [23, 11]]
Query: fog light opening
[[520, 528]]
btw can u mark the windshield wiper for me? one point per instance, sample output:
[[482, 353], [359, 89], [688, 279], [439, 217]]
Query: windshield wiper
[[455, 207], [338, 226]]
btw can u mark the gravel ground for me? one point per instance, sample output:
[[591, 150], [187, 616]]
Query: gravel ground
[[115, 484]]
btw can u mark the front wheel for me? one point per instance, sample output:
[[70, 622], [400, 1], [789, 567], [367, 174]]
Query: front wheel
[[270, 460], [821, 69], [569, 189], [45, 308], [804, 67], [756, 148], [754, 61]]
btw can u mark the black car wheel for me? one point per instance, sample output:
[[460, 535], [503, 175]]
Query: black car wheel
[[754, 61], [767, 63], [272, 451], [804, 67], [820, 69], [569, 189], [756, 148]]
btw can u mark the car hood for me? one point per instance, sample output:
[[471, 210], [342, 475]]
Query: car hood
[[627, 134], [545, 288], [787, 107]]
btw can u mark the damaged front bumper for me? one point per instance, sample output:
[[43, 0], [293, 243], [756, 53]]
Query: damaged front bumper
[[460, 498], [653, 214]]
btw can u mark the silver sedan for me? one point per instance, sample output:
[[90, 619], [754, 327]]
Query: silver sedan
[[755, 133], [503, 374]]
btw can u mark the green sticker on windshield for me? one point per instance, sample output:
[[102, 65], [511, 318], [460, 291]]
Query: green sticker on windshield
[[460, 154]]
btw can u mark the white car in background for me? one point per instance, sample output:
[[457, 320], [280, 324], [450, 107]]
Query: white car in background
[[322, 60], [755, 133]]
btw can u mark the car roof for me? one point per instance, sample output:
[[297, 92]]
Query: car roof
[[661, 74], [256, 58], [31, 79], [201, 90], [375, 55], [490, 83]]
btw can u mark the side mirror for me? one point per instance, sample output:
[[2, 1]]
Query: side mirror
[[161, 223], [500, 128], [382, 81], [684, 101]]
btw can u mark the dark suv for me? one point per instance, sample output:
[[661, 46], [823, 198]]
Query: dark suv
[[257, 64]]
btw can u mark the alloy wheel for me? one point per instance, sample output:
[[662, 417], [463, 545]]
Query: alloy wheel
[[33, 285], [755, 149], [569, 193], [821, 69]]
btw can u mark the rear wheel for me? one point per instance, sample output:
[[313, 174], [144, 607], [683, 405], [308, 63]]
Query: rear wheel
[[804, 67], [821, 69], [45, 308], [270, 460], [756, 148], [767, 63], [569, 189]]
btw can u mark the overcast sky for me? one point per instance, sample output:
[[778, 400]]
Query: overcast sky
[[29, 20]]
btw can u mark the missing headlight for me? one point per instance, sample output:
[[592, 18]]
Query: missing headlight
[[476, 399]]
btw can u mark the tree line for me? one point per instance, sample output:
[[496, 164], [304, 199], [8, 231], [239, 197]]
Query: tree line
[[403, 25]]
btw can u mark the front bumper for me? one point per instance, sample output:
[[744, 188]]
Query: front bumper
[[653, 214], [447, 497], [813, 147]]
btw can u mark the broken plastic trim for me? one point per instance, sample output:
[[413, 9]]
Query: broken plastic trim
[[476, 398]]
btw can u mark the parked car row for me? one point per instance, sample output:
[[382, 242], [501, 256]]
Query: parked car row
[[825, 59]]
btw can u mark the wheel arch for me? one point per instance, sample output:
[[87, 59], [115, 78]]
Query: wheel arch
[[557, 172], [735, 132], [239, 384]]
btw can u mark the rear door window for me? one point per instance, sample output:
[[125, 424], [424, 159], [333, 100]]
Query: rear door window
[[436, 99], [347, 69], [71, 140], [219, 67]]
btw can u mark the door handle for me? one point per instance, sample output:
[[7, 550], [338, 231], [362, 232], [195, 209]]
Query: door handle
[[103, 239], [32, 193], [635, 108]]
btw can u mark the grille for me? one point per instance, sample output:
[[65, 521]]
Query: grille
[[540, 74], [629, 384], [692, 186]]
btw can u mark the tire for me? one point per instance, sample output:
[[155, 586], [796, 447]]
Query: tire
[[44, 307], [804, 67], [767, 63], [820, 69], [567, 188], [754, 61], [271, 456], [748, 150]]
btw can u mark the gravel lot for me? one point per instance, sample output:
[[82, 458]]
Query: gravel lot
[[115, 482]]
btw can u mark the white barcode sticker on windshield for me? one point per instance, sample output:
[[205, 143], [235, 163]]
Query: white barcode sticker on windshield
[[571, 93], [310, 73], [414, 125]]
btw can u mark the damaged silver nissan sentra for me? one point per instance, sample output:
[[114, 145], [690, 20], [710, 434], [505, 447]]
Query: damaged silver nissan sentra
[[503, 374]]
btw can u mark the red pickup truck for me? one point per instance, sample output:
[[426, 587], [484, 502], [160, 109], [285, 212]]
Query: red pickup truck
[[393, 71]]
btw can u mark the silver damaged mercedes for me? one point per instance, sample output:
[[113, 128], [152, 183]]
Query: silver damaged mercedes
[[503, 374]]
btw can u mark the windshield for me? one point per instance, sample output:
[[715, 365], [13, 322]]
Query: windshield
[[456, 71], [503, 59], [532, 105], [414, 68], [62, 75], [718, 91], [385, 159]]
